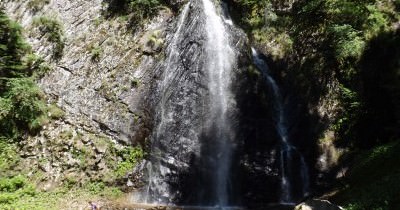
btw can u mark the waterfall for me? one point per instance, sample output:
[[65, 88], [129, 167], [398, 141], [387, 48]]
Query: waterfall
[[289, 154], [193, 136], [220, 60]]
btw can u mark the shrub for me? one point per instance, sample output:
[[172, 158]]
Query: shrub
[[36, 5], [130, 156], [347, 42], [96, 53], [21, 101], [12, 184], [55, 112], [376, 22], [135, 82], [8, 157], [53, 31], [373, 180], [95, 187], [22, 105], [144, 6]]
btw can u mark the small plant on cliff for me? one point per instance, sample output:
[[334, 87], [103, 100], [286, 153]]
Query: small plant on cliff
[[53, 30], [95, 53], [130, 156], [138, 10], [55, 112], [135, 82], [36, 5]]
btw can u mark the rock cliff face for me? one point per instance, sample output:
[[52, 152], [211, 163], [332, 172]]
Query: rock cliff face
[[106, 75], [103, 79], [181, 168], [105, 94]]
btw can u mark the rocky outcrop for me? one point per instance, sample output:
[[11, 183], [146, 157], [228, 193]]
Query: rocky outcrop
[[106, 94], [103, 79], [316, 204]]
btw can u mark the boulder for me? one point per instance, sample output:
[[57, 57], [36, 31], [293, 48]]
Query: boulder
[[316, 204]]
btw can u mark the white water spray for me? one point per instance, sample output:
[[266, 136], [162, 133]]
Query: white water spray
[[220, 61]]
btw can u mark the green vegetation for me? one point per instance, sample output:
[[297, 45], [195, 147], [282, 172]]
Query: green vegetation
[[54, 112], [22, 112], [264, 26], [135, 82], [355, 44], [96, 52], [143, 8], [131, 156], [37, 65], [100, 188], [138, 11], [12, 189], [336, 40], [373, 181], [21, 101], [37, 5], [8, 158], [53, 30], [154, 40], [18, 192]]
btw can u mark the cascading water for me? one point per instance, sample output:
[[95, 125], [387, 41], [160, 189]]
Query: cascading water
[[193, 131], [194, 141], [220, 60], [290, 157]]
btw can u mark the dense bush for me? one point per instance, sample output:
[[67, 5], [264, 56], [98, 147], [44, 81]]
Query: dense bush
[[13, 188], [21, 102]]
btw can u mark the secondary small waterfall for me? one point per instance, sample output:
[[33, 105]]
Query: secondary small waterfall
[[290, 157]]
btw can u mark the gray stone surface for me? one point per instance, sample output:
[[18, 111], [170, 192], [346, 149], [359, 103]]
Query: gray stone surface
[[105, 99]]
